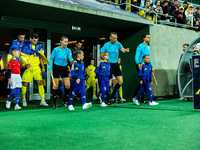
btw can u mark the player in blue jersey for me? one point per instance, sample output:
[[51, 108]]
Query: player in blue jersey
[[58, 67], [102, 77], [142, 49], [113, 47], [17, 44], [78, 81], [145, 75]]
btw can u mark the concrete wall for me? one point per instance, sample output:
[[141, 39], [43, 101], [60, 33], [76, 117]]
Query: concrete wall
[[166, 48]]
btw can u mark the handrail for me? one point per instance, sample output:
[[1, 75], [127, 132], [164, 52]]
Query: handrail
[[177, 24], [195, 5], [140, 8]]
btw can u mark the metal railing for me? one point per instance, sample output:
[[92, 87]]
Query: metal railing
[[140, 8], [195, 4], [157, 14]]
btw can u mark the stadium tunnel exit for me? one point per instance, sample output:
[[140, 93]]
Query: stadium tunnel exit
[[77, 26]]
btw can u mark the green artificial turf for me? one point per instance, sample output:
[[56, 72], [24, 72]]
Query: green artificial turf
[[172, 125]]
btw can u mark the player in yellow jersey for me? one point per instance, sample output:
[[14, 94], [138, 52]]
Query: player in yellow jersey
[[91, 78], [32, 57]]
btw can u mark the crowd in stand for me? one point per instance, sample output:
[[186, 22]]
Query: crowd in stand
[[185, 14]]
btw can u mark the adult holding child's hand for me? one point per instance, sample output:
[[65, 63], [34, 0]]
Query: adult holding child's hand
[[142, 49]]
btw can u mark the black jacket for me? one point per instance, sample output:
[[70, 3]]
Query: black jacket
[[179, 20]]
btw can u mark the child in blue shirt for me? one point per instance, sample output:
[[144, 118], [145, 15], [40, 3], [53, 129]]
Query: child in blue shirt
[[78, 81], [145, 75], [102, 77]]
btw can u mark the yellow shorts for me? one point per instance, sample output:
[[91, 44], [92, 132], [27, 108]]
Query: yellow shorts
[[32, 72]]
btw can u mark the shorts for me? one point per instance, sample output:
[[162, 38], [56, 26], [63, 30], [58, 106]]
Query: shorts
[[60, 71], [32, 72], [16, 81], [115, 70]]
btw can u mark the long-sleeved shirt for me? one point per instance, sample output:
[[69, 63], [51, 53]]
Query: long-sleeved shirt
[[145, 73], [142, 50], [78, 70], [59, 57], [15, 44], [90, 71], [103, 69]]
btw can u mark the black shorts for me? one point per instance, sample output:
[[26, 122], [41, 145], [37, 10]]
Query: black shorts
[[115, 70], [60, 71]]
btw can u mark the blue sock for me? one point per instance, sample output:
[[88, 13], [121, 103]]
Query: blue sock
[[116, 95], [103, 96], [62, 88], [12, 94], [17, 96], [71, 99]]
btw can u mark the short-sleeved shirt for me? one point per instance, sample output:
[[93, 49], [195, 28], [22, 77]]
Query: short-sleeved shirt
[[142, 50], [113, 50], [15, 66], [59, 57]]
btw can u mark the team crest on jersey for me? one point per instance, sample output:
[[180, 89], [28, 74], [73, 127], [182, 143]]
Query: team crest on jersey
[[145, 69], [83, 96], [76, 68], [103, 67]]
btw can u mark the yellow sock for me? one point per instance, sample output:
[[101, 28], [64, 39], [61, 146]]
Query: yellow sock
[[24, 89], [111, 90], [94, 89], [41, 91], [120, 92]]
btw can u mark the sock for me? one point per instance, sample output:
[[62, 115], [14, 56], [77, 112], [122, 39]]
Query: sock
[[66, 95], [62, 88], [111, 89], [108, 97], [54, 96], [117, 86], [70, 99], [116, 95], [58, 90], [17, 96], [24, 89], [103, 96], [12, 94], [120, 92], [41, 91], [94, 89]]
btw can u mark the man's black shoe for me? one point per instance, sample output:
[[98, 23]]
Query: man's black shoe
[[55, 106]]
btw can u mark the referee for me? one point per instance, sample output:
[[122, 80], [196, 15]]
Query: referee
[[58, 67], [113, 47], [142, 49]]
